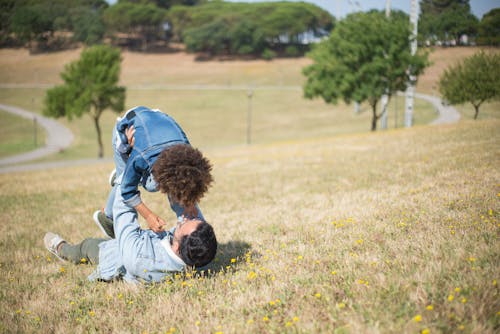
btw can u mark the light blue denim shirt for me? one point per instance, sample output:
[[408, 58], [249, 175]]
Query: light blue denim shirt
[[136, 255], [154, 131]]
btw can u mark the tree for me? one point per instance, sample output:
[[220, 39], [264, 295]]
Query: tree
[[446, 20], [90, 86], [489, 28], [474, 80], [248, 28], [366, 56], [142, 20]]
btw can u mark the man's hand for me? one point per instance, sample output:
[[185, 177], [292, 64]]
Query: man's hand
[[155, 223], [129, 132]]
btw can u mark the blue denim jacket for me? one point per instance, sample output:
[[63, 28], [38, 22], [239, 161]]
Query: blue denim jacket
[[154, 131], [136, 255]]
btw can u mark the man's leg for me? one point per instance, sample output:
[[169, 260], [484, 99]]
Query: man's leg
[[86, 251]]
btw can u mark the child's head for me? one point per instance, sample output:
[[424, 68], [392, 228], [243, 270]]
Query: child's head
[[194, 241], [183, 173]]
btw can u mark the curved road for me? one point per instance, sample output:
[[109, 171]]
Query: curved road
[[60, 137]]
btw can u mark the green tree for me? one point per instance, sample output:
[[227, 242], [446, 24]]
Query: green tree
[[446, 20], [248, 28], [489, 28], [366, 56], [141, 20], [474, 80], [90, 86]]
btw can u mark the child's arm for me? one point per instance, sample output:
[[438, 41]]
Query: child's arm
[[155, 223]]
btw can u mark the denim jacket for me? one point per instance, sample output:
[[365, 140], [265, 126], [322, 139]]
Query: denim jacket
[[136, 255], [154, 131]]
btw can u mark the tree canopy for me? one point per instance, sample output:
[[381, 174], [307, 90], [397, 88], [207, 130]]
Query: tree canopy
[[366, 56], [248, 28], [474, 80], [489, 28], [90, 86], [446, 20]]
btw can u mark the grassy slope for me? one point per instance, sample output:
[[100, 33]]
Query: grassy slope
[[353, 234], [212, 118]]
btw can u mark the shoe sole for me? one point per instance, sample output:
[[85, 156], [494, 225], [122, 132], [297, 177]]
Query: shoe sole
[[96, 221]]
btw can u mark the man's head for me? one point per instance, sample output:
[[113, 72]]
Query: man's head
[[183, 173], [195, 242]]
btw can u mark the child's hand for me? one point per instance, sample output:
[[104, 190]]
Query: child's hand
[[155, 223], [129, 132]]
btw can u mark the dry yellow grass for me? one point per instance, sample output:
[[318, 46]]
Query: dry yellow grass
[[376, 233]]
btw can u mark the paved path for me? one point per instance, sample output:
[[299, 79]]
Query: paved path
[[58, 137], [447, 113]]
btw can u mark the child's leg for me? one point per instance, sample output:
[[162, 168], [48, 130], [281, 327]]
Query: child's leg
[[88, 250], [120, 160]]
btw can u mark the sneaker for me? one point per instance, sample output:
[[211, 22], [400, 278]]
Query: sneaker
[[52, 241], [112, 178], [104, 223]]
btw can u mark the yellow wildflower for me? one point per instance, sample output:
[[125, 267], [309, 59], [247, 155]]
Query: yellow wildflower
[[295, 319], [265, 318], [317, 295], [429, 307], [464, 300], [417, 318], [425, 331], [233, 260], [450, 298]]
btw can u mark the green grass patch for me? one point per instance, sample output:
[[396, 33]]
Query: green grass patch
[[18, 135]]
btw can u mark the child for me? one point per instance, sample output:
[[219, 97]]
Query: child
[[152, 150], [138, 255]]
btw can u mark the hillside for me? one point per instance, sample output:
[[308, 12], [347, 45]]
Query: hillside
[[389, 232]]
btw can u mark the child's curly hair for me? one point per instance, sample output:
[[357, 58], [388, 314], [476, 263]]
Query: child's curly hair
[[183, 173]]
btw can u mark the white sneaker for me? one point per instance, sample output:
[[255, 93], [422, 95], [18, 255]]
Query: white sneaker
[[51, 241], [112, 177]]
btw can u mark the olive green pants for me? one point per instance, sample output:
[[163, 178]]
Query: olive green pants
[[86, 251]]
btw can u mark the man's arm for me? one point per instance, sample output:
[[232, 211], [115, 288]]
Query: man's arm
[[155, 223]]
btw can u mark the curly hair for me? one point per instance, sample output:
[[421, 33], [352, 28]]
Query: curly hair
[[199, 248], [183, 173]]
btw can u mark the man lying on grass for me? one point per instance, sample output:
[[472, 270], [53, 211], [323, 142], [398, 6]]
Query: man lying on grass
[[139, 255]]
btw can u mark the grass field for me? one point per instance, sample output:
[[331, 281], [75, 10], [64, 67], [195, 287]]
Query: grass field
[[322, 226], [391, 232], [212, 118]]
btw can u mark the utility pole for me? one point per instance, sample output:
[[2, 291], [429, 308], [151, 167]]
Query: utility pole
[[249, 117], [384, 100], [410, 89]]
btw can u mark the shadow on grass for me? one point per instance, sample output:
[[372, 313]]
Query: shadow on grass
[[226, 252]]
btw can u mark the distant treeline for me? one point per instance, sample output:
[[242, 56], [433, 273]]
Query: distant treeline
[[211, 28]]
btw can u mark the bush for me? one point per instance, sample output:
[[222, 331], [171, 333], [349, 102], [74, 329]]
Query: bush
[[268, 54]]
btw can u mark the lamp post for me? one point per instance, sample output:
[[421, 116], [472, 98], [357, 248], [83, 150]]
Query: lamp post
[[249, 116]]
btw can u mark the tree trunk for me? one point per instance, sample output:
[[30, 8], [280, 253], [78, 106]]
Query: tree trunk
[[374, 117], [477, 111], [100, 153]]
